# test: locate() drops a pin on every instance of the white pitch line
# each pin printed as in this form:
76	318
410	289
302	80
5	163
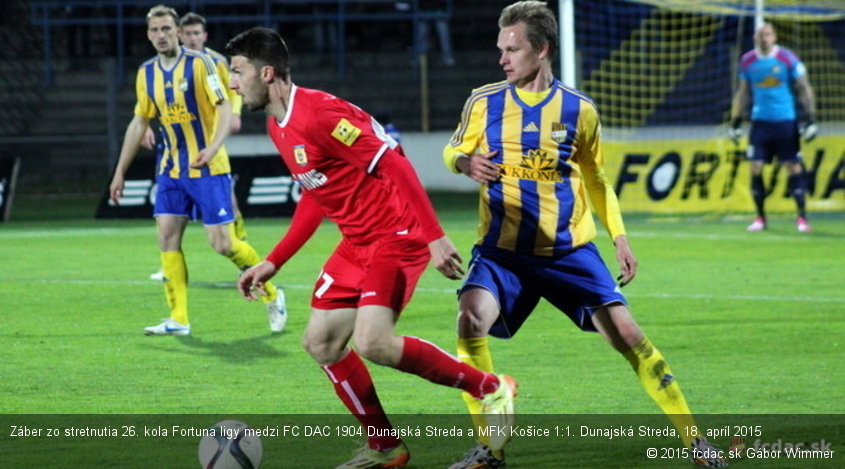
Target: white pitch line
117	231
707	296
694	296
75	232
754	237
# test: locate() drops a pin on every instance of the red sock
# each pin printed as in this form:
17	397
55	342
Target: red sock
354	386
429	361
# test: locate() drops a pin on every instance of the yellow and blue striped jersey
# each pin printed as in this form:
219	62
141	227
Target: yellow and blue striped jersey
184	99
550	157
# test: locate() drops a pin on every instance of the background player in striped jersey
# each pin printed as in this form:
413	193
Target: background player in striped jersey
193	35
180	87
354	173
770	78
534	146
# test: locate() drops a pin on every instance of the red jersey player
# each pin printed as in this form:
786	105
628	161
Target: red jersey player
352	172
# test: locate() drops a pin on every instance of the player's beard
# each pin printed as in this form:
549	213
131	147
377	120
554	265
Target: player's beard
261	101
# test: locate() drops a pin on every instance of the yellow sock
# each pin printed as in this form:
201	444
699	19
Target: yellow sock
660	384
476	352
244	256
238	228
176	284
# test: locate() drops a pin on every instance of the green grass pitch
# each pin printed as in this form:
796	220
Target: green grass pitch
751	323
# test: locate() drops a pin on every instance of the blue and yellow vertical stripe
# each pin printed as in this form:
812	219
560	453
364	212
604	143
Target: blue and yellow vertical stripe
184	99
539	206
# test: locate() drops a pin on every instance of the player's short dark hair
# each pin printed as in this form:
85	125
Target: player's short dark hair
262	46
192	18
540	23
160	11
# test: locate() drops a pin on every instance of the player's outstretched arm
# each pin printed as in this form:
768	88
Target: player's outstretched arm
306	219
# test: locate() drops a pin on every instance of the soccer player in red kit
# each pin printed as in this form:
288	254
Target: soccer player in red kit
355	174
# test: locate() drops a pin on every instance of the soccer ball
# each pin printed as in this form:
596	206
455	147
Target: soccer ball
230	447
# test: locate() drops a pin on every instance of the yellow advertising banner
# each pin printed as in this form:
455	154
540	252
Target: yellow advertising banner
712	175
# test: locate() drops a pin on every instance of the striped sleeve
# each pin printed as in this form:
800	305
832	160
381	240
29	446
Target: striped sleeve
469	136
144	81
591	160
214	87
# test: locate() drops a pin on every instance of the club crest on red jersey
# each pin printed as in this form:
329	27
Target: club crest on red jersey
299	155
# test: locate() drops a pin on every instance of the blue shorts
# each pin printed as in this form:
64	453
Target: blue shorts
210	196
576	283
768	139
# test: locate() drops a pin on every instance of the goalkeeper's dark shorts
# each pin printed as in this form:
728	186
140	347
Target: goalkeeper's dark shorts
770	138
577	283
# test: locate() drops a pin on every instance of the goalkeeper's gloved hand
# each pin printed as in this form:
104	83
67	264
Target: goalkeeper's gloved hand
735	130
808	129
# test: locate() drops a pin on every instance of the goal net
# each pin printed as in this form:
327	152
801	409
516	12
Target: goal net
663	75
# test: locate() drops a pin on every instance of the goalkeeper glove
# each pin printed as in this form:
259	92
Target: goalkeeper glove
808	129
735	130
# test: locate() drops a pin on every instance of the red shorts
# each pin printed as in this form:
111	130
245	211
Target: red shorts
384	273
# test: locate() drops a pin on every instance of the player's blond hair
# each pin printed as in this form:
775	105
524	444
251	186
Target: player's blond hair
160	11
540	23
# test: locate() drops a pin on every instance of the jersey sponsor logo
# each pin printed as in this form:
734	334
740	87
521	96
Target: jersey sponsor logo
558	132
531	127
535	166
346	133
176	113
769	82
299	155
537	159
311	180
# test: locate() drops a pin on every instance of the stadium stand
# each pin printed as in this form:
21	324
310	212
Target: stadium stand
68	132
71	125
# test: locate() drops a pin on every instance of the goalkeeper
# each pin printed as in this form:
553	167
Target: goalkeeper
771	78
